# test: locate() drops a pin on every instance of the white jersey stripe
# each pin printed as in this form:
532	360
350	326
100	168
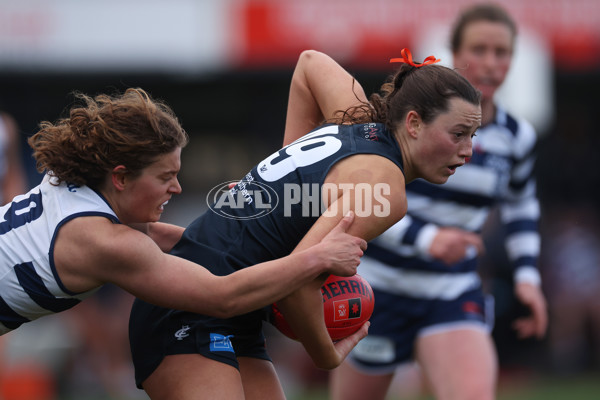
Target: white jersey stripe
419	284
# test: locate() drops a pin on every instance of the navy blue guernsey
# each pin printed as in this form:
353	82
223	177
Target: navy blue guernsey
268	212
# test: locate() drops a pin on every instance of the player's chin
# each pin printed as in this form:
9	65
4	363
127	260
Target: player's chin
439	178
155	216
440	181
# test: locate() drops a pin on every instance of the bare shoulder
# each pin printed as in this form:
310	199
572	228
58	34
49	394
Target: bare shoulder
374	187
88	250
367	168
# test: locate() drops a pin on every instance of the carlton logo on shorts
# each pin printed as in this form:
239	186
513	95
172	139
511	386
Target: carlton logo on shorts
220	342
183	332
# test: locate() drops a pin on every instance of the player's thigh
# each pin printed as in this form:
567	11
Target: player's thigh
346	382
192	376
459	364
259	379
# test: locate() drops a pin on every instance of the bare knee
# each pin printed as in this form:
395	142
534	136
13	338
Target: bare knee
459	364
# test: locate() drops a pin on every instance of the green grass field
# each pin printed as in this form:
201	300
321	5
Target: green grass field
579	388
517	387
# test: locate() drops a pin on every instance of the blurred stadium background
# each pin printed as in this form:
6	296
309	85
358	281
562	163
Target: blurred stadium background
225	66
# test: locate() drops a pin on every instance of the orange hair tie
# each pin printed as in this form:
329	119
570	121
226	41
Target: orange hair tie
407	59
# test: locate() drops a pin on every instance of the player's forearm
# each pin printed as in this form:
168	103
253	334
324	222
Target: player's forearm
263	284
303	311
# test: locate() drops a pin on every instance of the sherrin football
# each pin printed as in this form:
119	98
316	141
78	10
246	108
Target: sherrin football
347	304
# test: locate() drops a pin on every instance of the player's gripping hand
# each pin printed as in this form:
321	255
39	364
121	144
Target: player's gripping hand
451	245
344	347
342	251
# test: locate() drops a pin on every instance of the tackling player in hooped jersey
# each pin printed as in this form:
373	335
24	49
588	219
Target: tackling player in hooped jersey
421	126
110	166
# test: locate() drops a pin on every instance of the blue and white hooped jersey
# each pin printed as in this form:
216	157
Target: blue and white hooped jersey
29	284
500	172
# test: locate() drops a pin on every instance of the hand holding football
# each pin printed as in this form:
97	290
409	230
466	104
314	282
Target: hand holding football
347	304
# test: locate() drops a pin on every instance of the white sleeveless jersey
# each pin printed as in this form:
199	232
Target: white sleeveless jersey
29	284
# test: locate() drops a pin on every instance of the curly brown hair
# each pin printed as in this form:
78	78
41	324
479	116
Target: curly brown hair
129	129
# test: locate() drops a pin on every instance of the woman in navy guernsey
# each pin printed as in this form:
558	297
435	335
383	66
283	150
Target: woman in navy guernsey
420	126
430	305
111	165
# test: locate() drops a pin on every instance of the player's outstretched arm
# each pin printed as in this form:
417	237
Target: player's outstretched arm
86	258
319	88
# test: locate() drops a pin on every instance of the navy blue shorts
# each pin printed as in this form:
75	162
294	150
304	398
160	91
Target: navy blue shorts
398	320
155	332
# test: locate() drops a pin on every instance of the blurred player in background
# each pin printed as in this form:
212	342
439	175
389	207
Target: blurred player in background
430	304
12	174
421	125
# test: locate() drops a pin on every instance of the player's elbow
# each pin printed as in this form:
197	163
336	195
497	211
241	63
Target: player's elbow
306	55
310	58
